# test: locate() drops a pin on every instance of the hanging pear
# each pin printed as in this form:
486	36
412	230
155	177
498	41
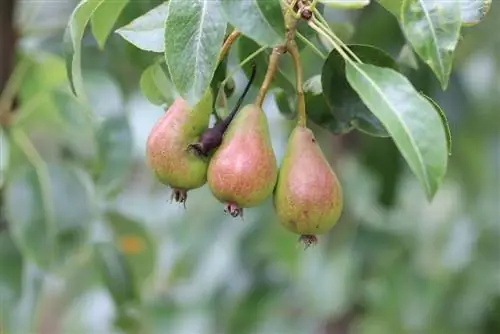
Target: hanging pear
243	171
166	149
308	197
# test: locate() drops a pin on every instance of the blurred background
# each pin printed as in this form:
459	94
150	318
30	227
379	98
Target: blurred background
103	250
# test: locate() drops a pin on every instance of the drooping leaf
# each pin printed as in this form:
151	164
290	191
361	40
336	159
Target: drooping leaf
156	85
433	28
473	11
346	4
194	32
343	102
114	140
261	20
134	242
49	209
104	18
116	273
72	42
407	57
147	32
410	119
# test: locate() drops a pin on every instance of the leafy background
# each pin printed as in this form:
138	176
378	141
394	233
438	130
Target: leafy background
90	244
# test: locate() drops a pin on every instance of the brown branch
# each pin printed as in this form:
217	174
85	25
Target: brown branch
7	50
271	70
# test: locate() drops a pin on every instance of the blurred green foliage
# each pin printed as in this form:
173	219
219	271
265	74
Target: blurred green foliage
119	258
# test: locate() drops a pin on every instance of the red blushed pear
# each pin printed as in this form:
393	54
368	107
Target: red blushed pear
167	146
308	197
243	171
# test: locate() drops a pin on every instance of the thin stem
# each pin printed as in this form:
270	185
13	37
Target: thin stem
311	45
243	63
322	24
327	36
41	169
313	5
271	70
12	86
301	103
233	36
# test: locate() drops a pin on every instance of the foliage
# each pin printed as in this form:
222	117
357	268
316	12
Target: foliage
89	242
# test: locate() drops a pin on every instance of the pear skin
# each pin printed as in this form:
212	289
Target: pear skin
166	149
308	197
243	171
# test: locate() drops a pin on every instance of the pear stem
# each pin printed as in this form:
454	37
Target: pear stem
233	36
301	103
271	70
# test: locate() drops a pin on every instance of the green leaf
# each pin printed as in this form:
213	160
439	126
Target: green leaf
104	19
156	85
409	118
433	28
4	155
393	6
147	32
116	273
446	125
49	210
135	244
114	139
346	4
194	32
72	42
284	104
261	20
474	11
343	102
407	57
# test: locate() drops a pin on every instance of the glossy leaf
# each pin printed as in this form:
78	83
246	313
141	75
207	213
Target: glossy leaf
433	28
261	20
346	4
134	242
104	18
409	118
474	11
114	140
49	210
72	42
116	273
319	111
147	32
343	102
194	33
156	85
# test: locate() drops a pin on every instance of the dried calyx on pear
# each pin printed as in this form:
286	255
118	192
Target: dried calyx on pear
212	137
308	197
166	146
243	171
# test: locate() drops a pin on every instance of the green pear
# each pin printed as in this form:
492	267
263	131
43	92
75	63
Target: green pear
308	197
167	146
243	171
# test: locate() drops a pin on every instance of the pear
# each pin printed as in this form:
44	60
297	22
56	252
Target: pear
243	171
166	148
308	197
